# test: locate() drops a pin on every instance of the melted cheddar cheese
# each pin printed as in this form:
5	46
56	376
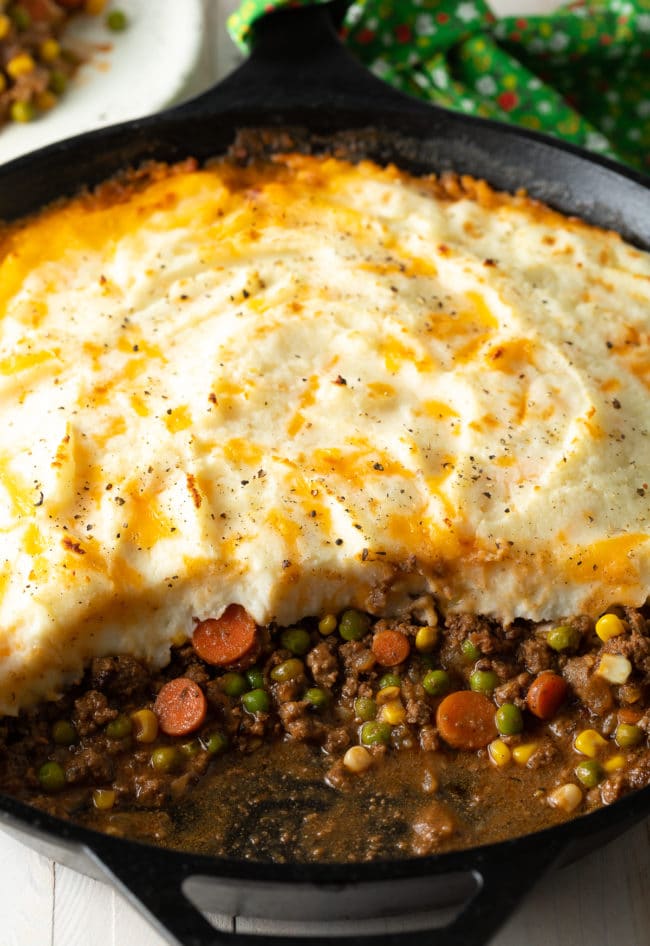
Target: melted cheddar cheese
304	386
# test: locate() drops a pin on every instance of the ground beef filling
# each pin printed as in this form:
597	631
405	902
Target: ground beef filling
409	736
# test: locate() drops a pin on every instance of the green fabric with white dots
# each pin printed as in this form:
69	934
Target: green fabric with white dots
582	73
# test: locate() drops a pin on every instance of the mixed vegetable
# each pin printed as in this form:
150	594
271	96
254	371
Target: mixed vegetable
567	701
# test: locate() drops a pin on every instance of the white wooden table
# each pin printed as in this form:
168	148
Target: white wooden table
601	901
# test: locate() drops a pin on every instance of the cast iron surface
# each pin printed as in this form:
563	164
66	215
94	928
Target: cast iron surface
301	78
153	878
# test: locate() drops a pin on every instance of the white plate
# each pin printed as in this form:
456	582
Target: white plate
127	75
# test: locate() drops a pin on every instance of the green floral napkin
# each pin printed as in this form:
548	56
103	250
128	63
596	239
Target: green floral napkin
582	73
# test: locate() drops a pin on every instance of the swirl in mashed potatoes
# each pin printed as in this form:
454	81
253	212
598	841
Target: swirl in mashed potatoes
306	385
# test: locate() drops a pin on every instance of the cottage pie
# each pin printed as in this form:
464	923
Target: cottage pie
306	392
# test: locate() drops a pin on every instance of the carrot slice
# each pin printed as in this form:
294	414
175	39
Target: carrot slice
629	715
390	648
225	640
465	720
546	694
180	706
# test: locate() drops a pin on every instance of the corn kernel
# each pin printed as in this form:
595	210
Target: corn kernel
589	742
20	65
614	764
45	101
357	759
393	713
327	625
103	798
608	626
426	639
5	25
567	797
145	725
95	7
499	753
614	668
522	753
387	695
49	50
22	112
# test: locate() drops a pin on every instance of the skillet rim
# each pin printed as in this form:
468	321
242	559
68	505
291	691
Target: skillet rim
299	64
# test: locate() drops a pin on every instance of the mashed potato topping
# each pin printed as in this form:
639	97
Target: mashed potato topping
307	385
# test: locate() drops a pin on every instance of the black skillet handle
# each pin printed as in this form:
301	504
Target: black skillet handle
502	876
298	58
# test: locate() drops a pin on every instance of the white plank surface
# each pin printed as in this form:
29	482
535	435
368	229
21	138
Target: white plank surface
27	887
600	901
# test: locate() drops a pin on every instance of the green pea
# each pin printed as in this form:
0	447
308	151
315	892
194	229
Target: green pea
216	742
353	625
390	680
469	650
64	733
234	684
590	773
119	728
375	734
483	681
21	18
52	777
256	701
22	112
509	719
191	748
563	637
628	735
58	82
365	708
437	682
255	678
291	669
317	697
117	21
165	758
296	639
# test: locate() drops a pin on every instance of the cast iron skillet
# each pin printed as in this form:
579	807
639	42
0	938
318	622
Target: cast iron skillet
300	76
